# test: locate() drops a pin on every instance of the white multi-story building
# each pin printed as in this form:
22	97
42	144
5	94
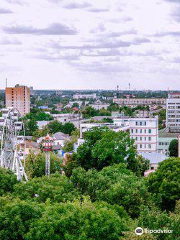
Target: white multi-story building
85	96
143	130
173	112
133	102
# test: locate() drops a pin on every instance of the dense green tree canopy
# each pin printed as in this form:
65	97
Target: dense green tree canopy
35	164
165	182
173	148
7	181
104	147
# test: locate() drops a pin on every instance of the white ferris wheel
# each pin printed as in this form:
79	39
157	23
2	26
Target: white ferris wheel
12	143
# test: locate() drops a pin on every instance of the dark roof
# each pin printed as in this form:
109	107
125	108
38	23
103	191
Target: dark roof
165	134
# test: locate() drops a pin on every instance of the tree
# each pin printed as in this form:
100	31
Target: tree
68	128
7	181
114	184
54	127
89	112
16	218
173	148
78	220
104	147
165	183
69	144
57	188
35	164
30	127
113	107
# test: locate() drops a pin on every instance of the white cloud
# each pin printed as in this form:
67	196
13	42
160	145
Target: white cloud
90	44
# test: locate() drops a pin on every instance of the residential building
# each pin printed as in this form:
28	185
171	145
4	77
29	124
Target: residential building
173	112
134	102
18	97
143	130
85	96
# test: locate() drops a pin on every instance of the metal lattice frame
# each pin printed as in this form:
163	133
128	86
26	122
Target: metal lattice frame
10	157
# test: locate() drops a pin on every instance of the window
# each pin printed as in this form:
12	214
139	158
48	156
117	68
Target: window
140	145
144	130
131	130
144	123
149	145
149	131
149	138
140	138
136	138
140	123
136	130
140	130
136	123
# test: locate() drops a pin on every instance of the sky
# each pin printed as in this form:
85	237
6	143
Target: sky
90	44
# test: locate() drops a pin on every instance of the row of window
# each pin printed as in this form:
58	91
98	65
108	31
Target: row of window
145	145
143	138
141	131
141	123
164	143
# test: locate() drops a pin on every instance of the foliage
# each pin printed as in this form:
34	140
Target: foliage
165	181
7	181
114	184
16	218
173	148
69	144
38	115
35	164
104	147
30	127
113	107
78	220
57	188
56	126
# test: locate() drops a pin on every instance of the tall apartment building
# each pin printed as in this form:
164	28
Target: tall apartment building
173	112
18	97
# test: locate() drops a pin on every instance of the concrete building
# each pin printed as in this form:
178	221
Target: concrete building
165	139
173	112
18	97
84	96
133	102
143	130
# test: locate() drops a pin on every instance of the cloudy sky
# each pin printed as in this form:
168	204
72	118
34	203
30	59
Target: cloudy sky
90	44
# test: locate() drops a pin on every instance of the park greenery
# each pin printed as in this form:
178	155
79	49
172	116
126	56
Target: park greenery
100	193
173	148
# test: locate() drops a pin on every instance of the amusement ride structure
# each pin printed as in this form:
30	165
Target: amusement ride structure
12	151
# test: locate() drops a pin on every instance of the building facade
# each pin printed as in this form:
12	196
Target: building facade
133	102
84	96
173	112
18	97
144	131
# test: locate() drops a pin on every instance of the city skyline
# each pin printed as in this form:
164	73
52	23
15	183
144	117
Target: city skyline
52	44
